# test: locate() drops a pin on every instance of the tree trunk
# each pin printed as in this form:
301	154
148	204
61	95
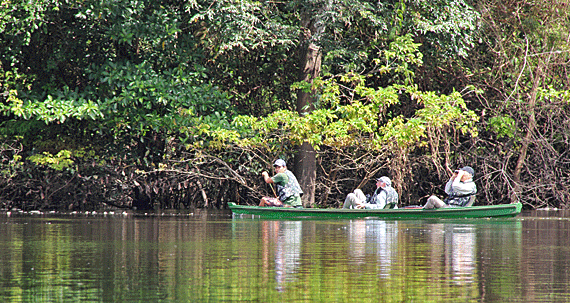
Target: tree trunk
306	172
310	57
306	161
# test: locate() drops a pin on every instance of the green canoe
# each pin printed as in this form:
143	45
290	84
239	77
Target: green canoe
503	210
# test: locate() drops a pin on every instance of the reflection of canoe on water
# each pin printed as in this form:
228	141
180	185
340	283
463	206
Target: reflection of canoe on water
503	210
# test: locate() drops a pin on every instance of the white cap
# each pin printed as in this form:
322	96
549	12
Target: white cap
386	180
279	162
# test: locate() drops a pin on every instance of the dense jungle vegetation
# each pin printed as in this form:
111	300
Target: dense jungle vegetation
182	104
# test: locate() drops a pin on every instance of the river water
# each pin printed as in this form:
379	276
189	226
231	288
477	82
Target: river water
212	256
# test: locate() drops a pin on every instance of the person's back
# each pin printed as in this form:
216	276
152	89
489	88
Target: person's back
288	188
391	197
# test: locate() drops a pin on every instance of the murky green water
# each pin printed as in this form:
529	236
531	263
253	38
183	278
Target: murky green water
213	257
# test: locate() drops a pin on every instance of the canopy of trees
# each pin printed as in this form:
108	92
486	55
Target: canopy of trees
180	104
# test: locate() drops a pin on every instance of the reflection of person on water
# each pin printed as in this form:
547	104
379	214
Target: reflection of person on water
269	235
373	238
462	253
287	252
288	189
453	249
357	240
383	239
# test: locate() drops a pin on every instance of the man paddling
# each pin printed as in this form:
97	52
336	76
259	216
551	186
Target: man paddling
288	189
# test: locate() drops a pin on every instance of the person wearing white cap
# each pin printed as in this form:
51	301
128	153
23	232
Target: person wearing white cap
460	188
288	189
385	196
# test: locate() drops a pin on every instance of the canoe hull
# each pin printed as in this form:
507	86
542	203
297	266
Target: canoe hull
503	210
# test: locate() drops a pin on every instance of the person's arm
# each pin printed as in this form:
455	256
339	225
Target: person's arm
462	188
266	177
381	199
449	184
279	178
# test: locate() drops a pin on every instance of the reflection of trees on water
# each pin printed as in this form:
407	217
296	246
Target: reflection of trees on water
485	259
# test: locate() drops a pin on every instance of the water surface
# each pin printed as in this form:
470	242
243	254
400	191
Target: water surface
211	256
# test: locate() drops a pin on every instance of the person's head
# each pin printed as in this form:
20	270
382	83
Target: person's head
383	182
280	165
470	173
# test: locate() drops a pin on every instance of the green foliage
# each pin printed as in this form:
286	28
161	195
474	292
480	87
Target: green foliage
24	17
130	67
440	110
439	113
244	25
11	160
551	95
62	160
352	113
52	109
356	123
349	112
502	126
449	27
143	99
399	58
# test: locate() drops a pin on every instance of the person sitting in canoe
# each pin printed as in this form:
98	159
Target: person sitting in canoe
460	188
385	196
288	189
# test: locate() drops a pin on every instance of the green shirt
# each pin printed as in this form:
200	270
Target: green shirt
282	179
